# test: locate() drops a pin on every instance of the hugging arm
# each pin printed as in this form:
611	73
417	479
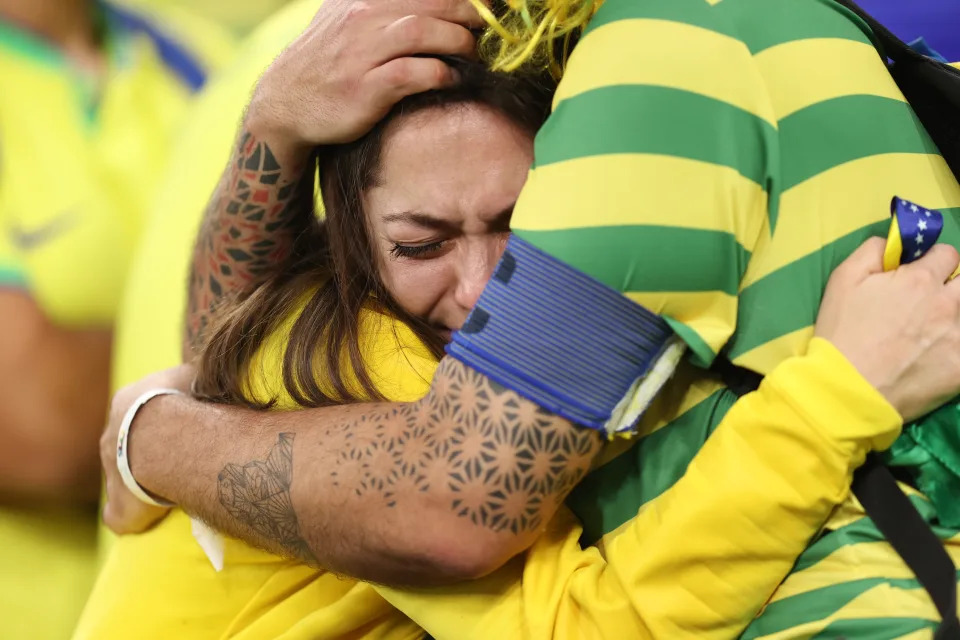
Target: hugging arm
451	486
445	488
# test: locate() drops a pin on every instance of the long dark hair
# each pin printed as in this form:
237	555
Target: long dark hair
323	363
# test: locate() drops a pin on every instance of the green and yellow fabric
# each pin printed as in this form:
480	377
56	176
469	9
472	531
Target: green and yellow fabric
715	160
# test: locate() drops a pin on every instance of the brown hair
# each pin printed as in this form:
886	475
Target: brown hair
335	259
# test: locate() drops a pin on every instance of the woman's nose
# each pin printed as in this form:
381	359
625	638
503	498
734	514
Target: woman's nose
475	270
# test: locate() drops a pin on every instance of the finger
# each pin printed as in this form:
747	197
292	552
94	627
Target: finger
940	261
416	34
460	12
402	77
865	261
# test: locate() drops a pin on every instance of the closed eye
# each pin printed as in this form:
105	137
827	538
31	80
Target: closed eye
416	250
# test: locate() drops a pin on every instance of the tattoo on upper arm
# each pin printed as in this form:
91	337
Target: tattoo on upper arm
257	494
500	455
246	230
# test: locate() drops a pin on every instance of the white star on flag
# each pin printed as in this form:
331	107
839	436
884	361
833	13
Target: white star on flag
913	208
919	239
917	254
926	213
922	225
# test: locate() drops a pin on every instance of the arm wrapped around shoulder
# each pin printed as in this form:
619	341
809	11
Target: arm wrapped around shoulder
566	341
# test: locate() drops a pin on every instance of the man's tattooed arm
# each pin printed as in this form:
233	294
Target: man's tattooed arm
264	196
443	489
496	458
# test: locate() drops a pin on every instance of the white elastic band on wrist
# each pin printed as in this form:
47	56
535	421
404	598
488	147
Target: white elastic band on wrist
123	462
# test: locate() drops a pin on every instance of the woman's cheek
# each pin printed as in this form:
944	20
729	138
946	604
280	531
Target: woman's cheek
417	285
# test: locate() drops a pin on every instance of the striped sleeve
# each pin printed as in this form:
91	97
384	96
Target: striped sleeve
651	173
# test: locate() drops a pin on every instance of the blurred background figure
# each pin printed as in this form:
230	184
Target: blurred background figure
148	338
240	16
91	94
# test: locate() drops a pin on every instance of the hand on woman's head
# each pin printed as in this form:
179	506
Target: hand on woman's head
900	329
355	61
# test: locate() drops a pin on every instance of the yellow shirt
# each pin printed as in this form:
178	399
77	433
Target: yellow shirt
78	166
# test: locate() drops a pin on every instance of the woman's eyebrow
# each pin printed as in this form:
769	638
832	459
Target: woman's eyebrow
427	221
422	220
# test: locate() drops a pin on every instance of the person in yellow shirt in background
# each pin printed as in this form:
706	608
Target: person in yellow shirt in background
92	94
166	565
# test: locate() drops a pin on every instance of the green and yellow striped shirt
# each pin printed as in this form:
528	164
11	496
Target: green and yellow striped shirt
715	161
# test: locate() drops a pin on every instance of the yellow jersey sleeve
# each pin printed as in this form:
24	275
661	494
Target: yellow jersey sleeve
685	566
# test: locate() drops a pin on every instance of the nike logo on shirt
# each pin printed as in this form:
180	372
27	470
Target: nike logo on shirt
30	239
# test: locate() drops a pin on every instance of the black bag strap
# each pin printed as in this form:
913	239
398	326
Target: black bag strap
892	513
912	538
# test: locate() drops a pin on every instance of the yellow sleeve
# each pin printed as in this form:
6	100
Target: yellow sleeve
685	566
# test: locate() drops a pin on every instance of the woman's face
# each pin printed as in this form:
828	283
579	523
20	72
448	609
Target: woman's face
440	213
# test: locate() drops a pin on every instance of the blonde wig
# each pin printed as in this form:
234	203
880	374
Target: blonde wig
532	33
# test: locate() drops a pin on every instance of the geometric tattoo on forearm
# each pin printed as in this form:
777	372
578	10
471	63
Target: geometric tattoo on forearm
498	456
